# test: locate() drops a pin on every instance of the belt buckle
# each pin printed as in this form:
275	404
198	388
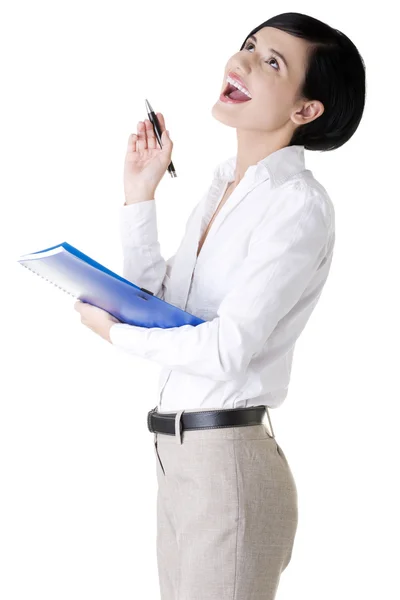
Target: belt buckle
149	419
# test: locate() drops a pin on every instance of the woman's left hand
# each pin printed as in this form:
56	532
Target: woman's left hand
97	319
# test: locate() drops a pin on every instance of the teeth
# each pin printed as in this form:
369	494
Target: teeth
238	86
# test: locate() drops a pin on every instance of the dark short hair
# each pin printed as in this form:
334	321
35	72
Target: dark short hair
334	75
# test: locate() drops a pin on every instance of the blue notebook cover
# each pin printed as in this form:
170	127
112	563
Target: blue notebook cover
89	281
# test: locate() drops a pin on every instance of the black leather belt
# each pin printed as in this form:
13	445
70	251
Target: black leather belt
205	419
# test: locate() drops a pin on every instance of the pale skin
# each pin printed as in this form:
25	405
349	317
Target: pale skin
266	123
97	319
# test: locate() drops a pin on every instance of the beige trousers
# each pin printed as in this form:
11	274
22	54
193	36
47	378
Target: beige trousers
226	513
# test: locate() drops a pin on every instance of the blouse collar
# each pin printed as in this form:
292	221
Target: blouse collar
279	166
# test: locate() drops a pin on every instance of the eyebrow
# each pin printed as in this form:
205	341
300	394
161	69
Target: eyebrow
253	37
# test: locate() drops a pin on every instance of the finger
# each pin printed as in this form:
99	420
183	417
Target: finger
151	136
141	143
132	143
161	120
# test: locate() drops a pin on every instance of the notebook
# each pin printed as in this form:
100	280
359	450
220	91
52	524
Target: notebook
79	275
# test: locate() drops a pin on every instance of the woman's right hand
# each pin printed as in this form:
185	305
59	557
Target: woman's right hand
145	161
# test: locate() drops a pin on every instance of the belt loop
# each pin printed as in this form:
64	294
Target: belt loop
178	426
153	410
270	424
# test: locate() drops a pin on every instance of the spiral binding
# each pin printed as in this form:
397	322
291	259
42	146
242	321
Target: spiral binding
49	280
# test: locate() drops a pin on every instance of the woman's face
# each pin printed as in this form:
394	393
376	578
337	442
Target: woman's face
272	84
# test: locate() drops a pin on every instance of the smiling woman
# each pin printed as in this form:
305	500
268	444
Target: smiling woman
307	86
253	261
306	79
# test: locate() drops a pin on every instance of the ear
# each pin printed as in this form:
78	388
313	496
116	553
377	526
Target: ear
309	111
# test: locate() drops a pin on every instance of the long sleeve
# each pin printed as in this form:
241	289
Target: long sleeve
284	253
143	263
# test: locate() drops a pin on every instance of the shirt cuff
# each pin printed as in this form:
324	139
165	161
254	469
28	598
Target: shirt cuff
123	336
138	223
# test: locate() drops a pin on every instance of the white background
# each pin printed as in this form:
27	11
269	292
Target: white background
78	472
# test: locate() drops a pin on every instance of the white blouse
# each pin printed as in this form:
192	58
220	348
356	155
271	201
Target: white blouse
256	281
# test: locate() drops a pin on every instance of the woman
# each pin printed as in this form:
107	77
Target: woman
253	262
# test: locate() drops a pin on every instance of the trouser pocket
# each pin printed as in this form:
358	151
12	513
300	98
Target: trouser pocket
157	453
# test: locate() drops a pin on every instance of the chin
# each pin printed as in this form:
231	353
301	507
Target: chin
219	112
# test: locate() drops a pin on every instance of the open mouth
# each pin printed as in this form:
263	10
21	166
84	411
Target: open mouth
233	93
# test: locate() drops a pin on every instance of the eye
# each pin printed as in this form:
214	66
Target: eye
274	59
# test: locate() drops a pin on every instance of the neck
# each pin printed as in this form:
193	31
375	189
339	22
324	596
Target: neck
253	146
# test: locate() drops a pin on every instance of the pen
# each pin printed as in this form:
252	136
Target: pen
157	130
